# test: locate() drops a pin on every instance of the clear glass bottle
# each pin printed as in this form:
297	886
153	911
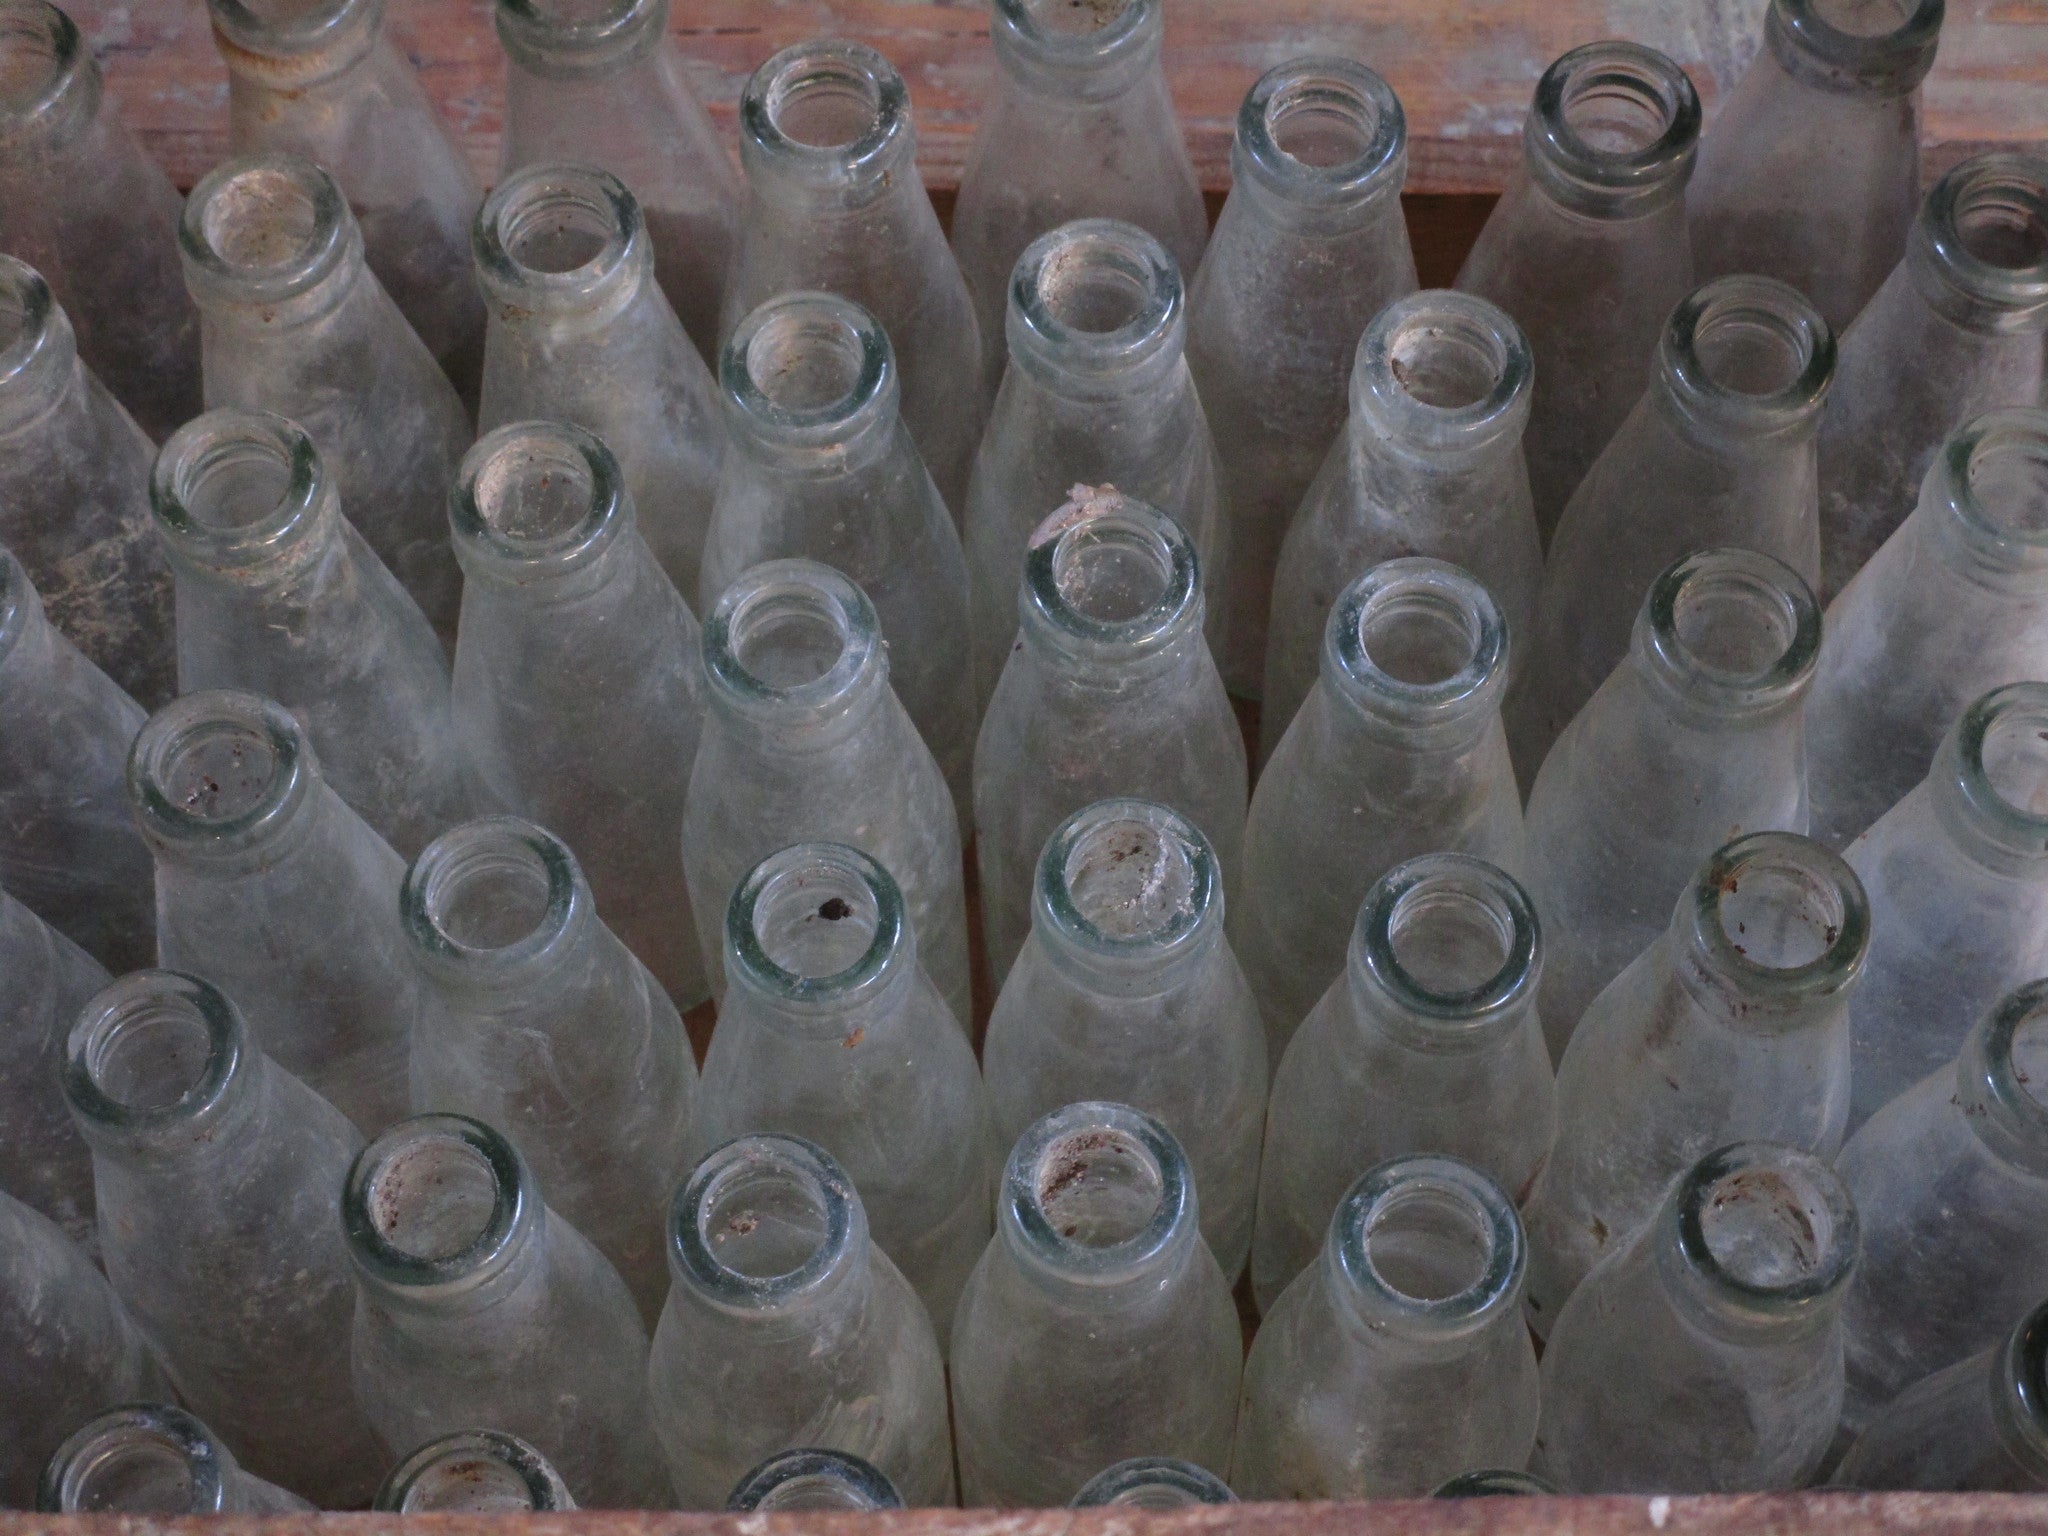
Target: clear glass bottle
534	1017
154	1459
475	1472
1705	1354
1733	1025
1153	1483
801	1482
1401	1356
293	322
1430	463
1310	246
1396	751
1718	452
1494	1482
835	204
74	492
581	332
1428	1043
1097	1326
215	1173
787	1326
577	694
477	1304
1078	124
1587	248
822	469
278	594
1126	990
604	85
85	206
1697	737
1955	331
319	78
1812	171
832	1031
804	741
271	888
1111	690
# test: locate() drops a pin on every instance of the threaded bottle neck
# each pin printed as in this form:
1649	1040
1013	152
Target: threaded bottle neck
244	496
1110	585
497	905
159	1064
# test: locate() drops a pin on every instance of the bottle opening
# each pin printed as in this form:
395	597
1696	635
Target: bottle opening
2006	473
798	1482
764	1221
142	1477
432	1198
1781	914
1074	18
536	488
292	15
1426	1237
1322	124
39	45
2001	215
230	471
2029	1054
1443	367
1769	1222
816	910
1441	371
25	306
220	771
2014	754
1428	1242
1864	18
810	356
1111	569
1493	1482
556	228
1618	109
491	885
789	637
1451	937
1094	285
1098	1187
145	1459
1418	635
261	219
148	1051
1739	617
1135	878
1754	341
1454	937
825	102
578	14
1153	1482
481	1472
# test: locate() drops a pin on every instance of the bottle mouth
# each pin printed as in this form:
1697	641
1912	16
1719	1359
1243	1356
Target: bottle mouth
1094	297
1769	1228
435	1203
537	496
153	1050
1444	371
1777	917
1417	642
295	29
1748	349
828	110
1112	574
2004	1073
808	1482
817	925
41	55
1884	46
551	234
1153	1482
474	1472
1996	760
1990	483
1452	940
218	771
1494	1482
1733	630
2023	1386
1983	233
1613	129
806	369
1076	33
1324	131
27	313
492	898
762	1222
1430	1240
235	488
264	228
1127	879
142	1459
563	39
789	635
1095	1190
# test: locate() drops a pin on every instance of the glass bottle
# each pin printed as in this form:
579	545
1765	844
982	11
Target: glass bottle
154	1459
1126	990
74	491
787	1326
1955	331
278	594
1733	1025
1110	691
1705	1355
604	85
577	696
535	1017
1430	463
85	206
1078	124
581	332
804	741
799	1482
1696	737
477	1304
215	1173
1401	1355
474	1472
1310	246
271	888
835	203
1494	1482
291	321
318	78
1097	1325
1812	171
1396	751
1153	1483
1428	1043
822	469
1718	452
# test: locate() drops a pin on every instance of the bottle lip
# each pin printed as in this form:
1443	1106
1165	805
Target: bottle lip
180	816
830	328
485	506
1992	1089
2015	833
775	1157
137	1002
1812	48
156	1430
20	605
1453	1185
1426	881
1112	258
1331	86
1837	892
1971	289
67	97
2021	1384
225	439
487	849
307	229
556	47
1746	306
814	1481
843	68
1106	834
453	1473
1053	1154
1130	30
1788	1184
549	197
1098	523
1966	523
365	1197
832	871
37	348
1437	590
1701	680
1386	377
1152	1482
1591	178
770	594
1493	1482
316	28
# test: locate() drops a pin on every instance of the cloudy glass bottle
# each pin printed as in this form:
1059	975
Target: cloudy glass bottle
793	1482
475	1472
154	1459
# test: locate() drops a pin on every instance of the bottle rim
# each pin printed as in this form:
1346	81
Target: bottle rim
1493	1482
549	197
1052	1154
1764	582
488	495
1331	86
2017	710
2009	187
829	328
36	345
828	873
1433	589
567	47
1097	524
67	96
153	1430
1990	1077
1820	875
775	592
812	1172
2020	1387
1985	539
20	604
1408	891
316	30
843	68
279	187
226	439
1748	307
1595	179
485	1253
1788	1184
1806	43
478	852
467	1459
1099	255
1110	832
1456	1188
815	1481
178	815
1386	379
141	1002
1135	26
1152	1482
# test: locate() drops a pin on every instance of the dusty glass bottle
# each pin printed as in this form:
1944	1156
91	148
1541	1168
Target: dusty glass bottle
534	1017
1100	394
1152	1482
603	85
1812	171
1718	452
1429	462
795	1482
1396	751
83	205
1587	248
474	1471
577	693
477	1304
822	469
1126	990
74	493
1111	690
1311	245
293	322
580	332
1697	737
1956	331
1097	1324
154	1459
278	594
787	1326
1733	1025
1705	1354
318	78
835	204
804	741
1428	1043
1401	1355
215	1173
832	1031
276	892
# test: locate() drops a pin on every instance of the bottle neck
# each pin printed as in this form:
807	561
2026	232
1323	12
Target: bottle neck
2003	1056
1612	132
1745	361
567	40
1727	640
1441	380
52	88
810	387
1415	657
1983	508
243	497
306	45
561	246
38	352
1153	1482
144	1459
828	121
1853	47
809	1482
1128	901
793	654
1111	591
1978	249
1090	53
1322	146
498	908
1096	313
1989	782
541	515
223	784
474	1471
269	244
